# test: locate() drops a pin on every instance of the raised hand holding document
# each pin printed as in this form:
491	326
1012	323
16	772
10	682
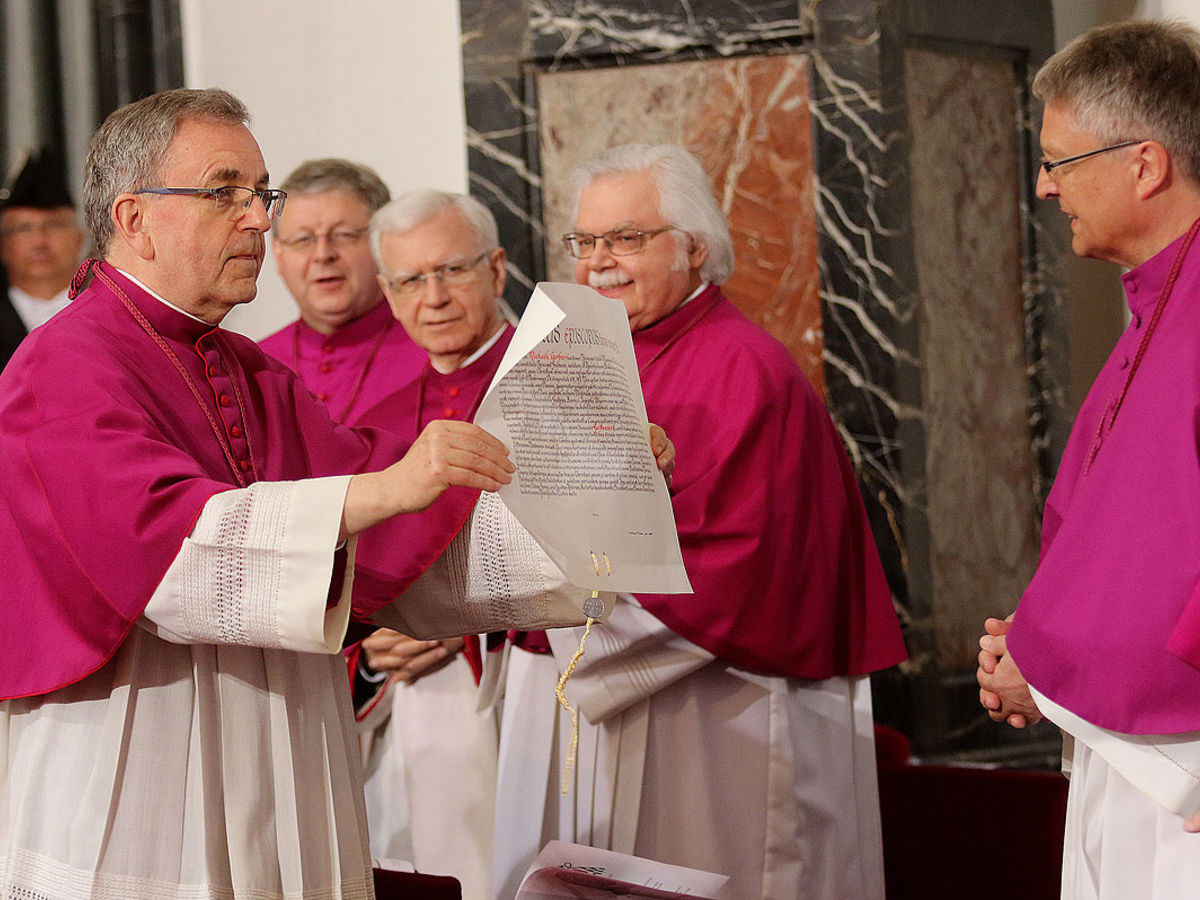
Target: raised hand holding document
587	513
567	402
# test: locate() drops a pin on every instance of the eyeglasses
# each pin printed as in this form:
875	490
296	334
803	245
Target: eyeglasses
338	239
621	241
26	229
451	274
1051	164
229	198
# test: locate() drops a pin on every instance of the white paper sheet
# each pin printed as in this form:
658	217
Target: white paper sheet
567	402
573	870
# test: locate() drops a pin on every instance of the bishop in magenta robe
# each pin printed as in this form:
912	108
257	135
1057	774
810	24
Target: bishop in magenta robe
790	610
728	730
1105	641
353	368
429	743
346	346
104	555
179	518
429	754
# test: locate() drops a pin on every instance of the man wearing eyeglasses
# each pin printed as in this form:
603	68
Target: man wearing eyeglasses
346	346
1106	639
431	761
40	244
729	730
349	350
180	519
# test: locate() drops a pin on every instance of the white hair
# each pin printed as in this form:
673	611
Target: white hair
416	207
685	196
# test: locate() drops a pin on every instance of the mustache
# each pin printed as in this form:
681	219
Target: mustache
602	280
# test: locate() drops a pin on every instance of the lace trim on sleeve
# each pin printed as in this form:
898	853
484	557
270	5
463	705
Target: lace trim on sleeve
493	577
256	570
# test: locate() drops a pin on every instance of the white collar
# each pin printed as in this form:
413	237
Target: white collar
35	311
487	345
163	300
694	294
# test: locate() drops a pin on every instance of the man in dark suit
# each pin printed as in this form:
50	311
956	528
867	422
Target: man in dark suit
40	244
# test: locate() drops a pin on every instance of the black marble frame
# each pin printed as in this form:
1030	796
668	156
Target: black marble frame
873	387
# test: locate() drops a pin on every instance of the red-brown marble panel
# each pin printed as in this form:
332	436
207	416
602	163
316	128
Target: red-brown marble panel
747	120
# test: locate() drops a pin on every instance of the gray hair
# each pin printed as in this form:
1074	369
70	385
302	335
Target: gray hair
318	176
127	150
416	207
1132	81
685	196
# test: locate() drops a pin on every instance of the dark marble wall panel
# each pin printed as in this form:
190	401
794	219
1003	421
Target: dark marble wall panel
596	30
502	141
871	356
965	159
746	119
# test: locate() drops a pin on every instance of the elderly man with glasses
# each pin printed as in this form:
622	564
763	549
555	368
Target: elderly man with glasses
729	730
1105	641
346	346
180	523
431	752
431	765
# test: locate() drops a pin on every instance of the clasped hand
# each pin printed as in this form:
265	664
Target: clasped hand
407	659
1003	691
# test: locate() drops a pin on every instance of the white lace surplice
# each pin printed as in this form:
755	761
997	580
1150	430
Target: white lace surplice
687	760
1129	796
431	769
201	765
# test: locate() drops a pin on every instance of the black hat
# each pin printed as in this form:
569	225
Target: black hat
39	183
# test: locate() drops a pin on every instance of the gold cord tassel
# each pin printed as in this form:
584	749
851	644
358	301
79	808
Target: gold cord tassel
560	693
592	608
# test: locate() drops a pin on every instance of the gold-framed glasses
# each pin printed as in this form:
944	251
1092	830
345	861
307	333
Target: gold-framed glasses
621	241
337	238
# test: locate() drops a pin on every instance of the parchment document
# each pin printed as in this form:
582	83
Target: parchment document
567	402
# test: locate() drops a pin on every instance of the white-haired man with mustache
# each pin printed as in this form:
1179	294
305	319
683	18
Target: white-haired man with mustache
729	730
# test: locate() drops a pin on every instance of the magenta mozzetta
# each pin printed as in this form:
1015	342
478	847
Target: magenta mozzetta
96	550
774	535
1082	634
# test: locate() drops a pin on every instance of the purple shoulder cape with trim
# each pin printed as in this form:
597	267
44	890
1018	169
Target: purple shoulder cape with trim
107	460
1109	626
774	535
